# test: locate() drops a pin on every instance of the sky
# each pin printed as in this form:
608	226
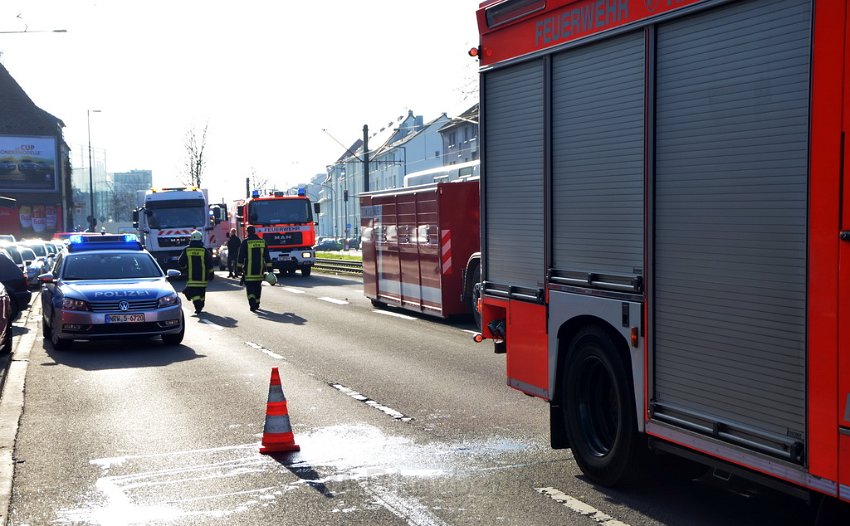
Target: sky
265	77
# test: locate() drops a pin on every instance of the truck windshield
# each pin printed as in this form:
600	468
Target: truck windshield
280	211
178	216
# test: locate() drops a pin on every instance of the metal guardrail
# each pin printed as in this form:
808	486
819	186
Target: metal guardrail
339	266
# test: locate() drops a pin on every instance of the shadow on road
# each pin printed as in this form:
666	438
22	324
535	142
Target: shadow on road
18	330
119	354
280	317
316	280
669	496
223	321
304	472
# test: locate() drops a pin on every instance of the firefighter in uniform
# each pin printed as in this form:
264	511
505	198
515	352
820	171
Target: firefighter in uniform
196	263
253	262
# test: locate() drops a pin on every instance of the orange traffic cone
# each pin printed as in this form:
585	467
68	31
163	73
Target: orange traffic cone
277	433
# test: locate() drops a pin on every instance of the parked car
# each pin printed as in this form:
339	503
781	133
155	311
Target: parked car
40	248
7	237
105	287
328	244
33	266
354	243
15	282
222	257
6	318
14	253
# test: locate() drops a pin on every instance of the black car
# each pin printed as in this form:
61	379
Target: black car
15	281
6	318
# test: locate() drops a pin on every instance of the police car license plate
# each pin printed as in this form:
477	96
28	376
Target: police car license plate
125	318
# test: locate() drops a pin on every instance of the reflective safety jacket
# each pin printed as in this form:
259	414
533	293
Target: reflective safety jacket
197	263
253	261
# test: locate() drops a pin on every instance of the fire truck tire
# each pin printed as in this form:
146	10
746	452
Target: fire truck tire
599	409
305	271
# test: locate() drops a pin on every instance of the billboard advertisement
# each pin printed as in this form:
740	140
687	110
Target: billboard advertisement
28	164
25	220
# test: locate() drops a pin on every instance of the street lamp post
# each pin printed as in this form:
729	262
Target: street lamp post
91	177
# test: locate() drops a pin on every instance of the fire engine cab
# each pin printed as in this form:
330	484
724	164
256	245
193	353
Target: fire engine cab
286	223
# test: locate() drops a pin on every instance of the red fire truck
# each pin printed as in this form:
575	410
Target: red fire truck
286	223
420	247
673	174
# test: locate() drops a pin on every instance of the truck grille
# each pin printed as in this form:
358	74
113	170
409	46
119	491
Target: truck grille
166	242
112	306
282	238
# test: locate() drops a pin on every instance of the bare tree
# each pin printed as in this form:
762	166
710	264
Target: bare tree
196	162
258	183
121	203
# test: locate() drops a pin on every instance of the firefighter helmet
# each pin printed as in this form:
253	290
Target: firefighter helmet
197	236
270	278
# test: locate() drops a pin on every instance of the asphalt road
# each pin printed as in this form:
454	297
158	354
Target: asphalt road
401	420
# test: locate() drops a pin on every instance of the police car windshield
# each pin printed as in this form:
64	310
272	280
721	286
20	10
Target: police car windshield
109	266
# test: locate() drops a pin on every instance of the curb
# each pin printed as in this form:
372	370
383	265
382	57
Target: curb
14	375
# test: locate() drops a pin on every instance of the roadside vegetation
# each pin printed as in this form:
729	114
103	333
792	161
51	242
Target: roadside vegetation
340	255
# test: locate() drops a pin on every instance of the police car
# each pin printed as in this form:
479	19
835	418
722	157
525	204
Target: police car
108	286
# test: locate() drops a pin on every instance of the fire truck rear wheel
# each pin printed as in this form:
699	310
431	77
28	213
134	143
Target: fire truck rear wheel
599	409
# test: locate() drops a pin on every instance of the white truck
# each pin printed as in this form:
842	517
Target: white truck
166	217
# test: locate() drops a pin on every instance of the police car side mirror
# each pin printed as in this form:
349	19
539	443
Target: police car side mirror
172	273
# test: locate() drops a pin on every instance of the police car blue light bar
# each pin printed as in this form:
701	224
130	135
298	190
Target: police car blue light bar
81	242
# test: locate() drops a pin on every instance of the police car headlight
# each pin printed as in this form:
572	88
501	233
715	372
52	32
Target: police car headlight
168	301
306	254
72	304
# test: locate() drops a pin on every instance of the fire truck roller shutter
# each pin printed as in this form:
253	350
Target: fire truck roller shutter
732	131
598	157
514	133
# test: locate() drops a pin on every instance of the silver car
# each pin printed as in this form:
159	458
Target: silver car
105	287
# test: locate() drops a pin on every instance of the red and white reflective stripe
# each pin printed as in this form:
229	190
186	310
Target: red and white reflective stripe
446	242
174	232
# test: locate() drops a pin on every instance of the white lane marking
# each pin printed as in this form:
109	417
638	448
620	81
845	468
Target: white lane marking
334	300
218	327
293	290
405	507
368	401
470	332
396	314
580	507
264	350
